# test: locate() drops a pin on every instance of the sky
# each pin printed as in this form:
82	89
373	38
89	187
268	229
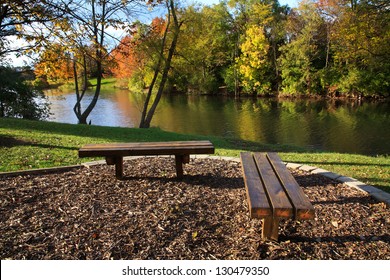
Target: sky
291	3
23	60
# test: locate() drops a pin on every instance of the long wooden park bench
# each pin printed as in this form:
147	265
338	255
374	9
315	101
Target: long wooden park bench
272	192
114	152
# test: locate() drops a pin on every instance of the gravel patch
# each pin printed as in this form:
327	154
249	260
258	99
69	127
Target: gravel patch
87	213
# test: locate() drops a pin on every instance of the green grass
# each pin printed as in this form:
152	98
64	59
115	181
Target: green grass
107	84
31	144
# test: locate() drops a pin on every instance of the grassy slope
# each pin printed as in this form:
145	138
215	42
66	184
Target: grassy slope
29	144
107	83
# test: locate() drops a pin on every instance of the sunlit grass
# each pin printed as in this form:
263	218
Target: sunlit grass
107	84
30	144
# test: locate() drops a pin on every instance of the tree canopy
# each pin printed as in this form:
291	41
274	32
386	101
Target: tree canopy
322	47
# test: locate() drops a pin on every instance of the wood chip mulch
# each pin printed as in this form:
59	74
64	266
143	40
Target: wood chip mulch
88	214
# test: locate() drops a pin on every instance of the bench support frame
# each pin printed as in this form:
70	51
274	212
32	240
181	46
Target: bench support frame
270	229
118	162
114	152
180	160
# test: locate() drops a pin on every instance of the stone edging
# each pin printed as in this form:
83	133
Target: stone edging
351	182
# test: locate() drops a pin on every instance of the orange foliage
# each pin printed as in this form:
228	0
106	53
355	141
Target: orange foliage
54	65
129	56
158	26
125	58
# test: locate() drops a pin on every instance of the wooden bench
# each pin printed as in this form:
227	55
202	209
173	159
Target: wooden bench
272	192
114	152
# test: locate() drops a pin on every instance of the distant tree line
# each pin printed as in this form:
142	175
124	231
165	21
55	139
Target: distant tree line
323	47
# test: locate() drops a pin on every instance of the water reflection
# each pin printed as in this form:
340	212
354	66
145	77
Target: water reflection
338	126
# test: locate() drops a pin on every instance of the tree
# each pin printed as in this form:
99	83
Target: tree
163	64
199	65
54	65
18	99
125	58
304	55
260	32
135	57
84	32
253	61
17	16
361	48
277	36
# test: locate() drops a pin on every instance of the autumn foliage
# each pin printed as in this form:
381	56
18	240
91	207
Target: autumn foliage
321	47
126	60
131	53
54	65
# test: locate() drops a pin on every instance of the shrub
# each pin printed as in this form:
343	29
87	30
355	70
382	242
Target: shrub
19	99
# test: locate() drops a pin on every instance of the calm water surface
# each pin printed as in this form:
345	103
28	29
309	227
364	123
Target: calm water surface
351	127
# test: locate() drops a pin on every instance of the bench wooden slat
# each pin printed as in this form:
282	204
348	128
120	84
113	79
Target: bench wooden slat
256	196
152	144
281	205
147	148
147	145
303	209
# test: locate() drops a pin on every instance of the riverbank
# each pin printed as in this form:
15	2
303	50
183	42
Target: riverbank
31	144
112	83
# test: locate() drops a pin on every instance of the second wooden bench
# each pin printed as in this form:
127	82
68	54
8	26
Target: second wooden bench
272	192
114	152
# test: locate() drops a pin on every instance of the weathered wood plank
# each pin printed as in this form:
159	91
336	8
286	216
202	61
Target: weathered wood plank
257	198
281	205
147	148
141	145
303	209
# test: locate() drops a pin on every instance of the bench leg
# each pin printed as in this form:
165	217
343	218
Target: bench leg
119	167
118	161
270	229
179	166
180	160
186	159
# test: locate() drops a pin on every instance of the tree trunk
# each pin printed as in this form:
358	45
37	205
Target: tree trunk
236	79
328	28
147	116
164	78
95	98
82	118
143	123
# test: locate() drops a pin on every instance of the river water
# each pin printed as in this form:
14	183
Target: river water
339	126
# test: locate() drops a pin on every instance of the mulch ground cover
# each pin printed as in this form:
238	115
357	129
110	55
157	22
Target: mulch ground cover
87	213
